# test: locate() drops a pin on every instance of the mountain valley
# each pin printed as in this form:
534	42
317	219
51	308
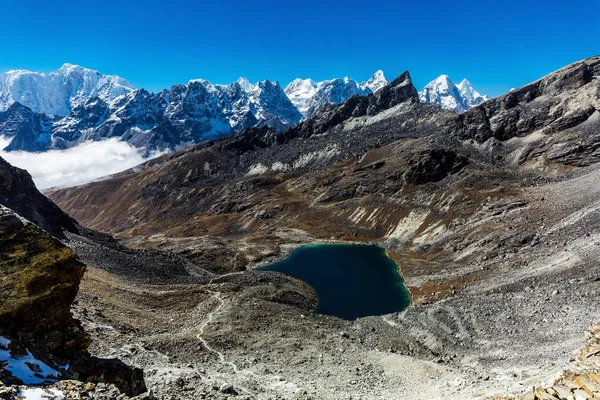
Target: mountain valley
491	214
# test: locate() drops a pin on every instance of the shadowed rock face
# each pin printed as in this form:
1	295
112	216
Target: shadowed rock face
433	166
39	281
28	130
18	192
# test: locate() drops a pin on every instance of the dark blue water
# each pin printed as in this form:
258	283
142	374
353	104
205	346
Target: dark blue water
351	281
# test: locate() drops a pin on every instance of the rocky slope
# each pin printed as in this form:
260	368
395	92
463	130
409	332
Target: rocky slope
581	380
18	192
40	341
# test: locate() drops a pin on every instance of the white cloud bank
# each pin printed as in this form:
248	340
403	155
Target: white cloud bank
75	166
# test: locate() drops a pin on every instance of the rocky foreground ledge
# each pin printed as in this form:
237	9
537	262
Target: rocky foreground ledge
40	341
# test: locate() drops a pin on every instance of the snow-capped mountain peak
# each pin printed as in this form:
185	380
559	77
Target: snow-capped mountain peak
444	92
308	95
273	104
443	82
301	93
60	91
376	81
473	97
245	84
301	86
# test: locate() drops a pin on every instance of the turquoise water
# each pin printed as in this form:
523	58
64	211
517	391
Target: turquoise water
351	281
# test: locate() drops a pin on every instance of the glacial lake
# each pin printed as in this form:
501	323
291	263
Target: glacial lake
352	281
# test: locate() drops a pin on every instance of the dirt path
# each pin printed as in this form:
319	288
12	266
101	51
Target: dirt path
220	298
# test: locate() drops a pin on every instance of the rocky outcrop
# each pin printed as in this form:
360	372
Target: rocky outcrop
560	101
580	381
433	166
40	278
28	130
398	91
18	192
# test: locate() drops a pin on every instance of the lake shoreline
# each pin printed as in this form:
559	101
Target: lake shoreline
351	280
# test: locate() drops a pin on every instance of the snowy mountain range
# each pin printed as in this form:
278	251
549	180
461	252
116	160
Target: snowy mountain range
458	98
58	92
308	96
72	105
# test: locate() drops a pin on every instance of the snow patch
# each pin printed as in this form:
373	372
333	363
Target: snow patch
40	394
432	232
358	215
23	368
7	211
4	342
279	166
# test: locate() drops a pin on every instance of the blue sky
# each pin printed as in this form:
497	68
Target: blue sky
155	44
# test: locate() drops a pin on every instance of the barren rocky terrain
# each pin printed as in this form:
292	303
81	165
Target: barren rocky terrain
514	326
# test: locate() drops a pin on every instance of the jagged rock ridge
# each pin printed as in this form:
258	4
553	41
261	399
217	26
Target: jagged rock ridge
168	120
